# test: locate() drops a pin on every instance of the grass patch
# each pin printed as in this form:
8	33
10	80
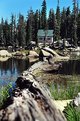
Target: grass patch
5	93
60	92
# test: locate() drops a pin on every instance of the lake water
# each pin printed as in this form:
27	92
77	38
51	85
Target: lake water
68	77
70	67
11	69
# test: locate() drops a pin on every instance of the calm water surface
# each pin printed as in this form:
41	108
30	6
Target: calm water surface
69	73
11	69
70	67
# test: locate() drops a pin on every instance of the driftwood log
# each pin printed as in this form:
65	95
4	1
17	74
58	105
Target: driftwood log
30	102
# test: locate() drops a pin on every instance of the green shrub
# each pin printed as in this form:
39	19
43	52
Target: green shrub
4	94
72	113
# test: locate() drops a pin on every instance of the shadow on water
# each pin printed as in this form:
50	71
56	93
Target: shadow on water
70	67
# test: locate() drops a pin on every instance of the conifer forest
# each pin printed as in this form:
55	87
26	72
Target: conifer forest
21	30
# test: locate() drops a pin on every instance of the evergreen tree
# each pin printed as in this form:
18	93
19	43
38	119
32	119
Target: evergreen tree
77	7
68	24
43	15
63	24
21	31
39	27
6	31
58	16
44	19
13	30
30	27
1	32
74	29
36	18
51	19
78	27
56	31
58	21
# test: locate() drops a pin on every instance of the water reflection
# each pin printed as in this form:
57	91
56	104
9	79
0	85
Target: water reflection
11	69
70	67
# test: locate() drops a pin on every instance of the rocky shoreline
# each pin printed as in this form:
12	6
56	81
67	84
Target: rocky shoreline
30	101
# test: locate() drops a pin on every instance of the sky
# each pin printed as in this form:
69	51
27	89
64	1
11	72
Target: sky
7	7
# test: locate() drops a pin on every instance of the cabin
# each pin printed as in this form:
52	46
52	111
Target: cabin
45	36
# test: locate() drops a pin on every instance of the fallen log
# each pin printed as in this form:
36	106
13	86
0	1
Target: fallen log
30	102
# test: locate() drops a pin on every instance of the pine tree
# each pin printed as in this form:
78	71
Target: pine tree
51	19
63	24
68	24
74	32
58	21
77	7
30	27
43	15
39	27
58	16
1	32
36	18
13	30
6	31
78	27
21	31
56	31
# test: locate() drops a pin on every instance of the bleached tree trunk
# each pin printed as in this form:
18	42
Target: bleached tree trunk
30	102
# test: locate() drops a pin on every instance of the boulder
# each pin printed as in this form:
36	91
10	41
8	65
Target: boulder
32	53
19	54
5	53
56	56
45	53
3	59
